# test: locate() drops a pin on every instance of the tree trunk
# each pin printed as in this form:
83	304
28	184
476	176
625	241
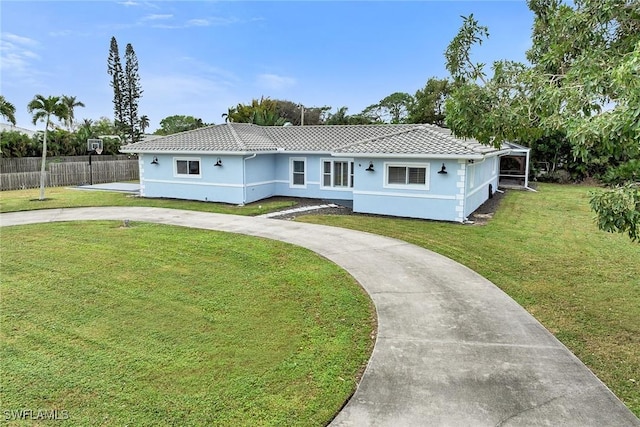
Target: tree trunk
43	173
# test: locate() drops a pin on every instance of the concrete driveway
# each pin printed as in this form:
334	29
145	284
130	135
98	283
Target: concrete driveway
452	349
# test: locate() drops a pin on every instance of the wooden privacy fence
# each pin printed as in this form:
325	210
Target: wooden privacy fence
65	172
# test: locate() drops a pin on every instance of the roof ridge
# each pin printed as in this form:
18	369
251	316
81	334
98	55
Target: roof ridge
236	136
376	138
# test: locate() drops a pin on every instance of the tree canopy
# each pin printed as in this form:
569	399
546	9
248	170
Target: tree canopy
42	109
179	123
71	103
428	102
127	90
582	82
7	110
275	112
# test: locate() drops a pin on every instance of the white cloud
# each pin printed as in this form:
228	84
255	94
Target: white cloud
275	82
156	17
198	23
16	55
14	38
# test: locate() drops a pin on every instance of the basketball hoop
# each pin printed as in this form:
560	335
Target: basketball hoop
94	146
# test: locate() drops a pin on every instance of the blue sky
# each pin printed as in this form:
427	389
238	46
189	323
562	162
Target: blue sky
201	57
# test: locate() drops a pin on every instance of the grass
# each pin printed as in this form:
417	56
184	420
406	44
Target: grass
62	197
544	250
159	325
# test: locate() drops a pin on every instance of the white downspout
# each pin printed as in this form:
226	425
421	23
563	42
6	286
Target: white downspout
244	177
526	172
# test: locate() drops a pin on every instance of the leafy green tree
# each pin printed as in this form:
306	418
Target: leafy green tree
491	110
295	113
428	104
132	93
263	112
61	142
340	117
42	109
582	81
114	69
14	144
396	106
7	110
178	123
391	109
71	103
84	132
268	118
373	113
618	210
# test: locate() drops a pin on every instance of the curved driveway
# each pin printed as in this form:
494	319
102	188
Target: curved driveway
452	349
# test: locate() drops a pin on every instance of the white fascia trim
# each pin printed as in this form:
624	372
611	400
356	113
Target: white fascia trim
415	196
302	153
424	156
196	152
499	152
206	184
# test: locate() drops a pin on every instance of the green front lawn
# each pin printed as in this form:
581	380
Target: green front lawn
63	197
159	325
541	248
545	251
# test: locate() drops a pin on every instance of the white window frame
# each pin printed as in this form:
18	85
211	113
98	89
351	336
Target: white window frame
427	176
187	175
291	172
350	174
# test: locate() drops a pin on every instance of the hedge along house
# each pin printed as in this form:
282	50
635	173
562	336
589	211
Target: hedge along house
418	171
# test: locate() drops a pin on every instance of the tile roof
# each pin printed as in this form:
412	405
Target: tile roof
410	139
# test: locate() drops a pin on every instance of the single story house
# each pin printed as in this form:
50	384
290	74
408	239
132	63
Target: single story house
406	170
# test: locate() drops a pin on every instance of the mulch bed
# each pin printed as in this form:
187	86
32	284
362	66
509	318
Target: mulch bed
480	216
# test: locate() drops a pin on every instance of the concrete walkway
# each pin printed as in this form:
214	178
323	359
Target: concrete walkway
119	187
297	210
452	349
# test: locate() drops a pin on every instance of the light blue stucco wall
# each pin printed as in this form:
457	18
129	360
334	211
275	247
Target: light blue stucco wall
479	176
438	200
245	179
313	187
218	184
260	172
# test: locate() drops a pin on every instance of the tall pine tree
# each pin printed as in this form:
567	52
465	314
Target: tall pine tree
114	69
132	94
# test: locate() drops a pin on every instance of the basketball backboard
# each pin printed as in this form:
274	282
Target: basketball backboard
94	146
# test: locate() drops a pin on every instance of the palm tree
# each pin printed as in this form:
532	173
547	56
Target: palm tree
7	110
144	123
71	103
42	108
